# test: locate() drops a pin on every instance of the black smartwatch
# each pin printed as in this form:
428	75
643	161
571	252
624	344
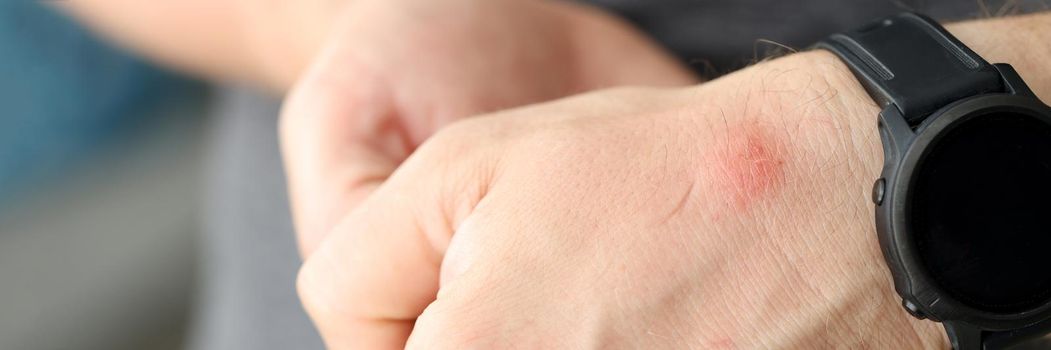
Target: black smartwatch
963	205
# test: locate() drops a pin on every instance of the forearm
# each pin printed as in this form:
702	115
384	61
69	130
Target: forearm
1022	41
261	42
271	42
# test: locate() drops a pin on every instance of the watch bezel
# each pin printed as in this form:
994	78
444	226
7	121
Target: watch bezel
906	264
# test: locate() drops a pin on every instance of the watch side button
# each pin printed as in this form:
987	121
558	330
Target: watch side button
913	309
879	189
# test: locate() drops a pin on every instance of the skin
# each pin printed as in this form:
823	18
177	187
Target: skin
371	79
728	215
262	42
732	214
395	72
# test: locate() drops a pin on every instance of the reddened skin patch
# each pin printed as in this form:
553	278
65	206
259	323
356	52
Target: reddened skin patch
748	165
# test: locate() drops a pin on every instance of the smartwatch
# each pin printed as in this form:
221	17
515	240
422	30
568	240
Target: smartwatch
963	204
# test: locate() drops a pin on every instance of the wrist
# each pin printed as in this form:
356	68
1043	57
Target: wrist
1024	42
1019	41
864	154
794	152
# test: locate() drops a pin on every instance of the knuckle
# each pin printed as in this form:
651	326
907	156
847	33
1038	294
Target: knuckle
462	141
454	135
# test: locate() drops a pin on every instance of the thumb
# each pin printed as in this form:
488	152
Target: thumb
340	139
379	269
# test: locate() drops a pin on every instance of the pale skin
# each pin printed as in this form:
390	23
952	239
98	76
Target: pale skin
397	72
731	214
380	76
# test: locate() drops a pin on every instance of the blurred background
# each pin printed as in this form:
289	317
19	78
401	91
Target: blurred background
100	185
127	197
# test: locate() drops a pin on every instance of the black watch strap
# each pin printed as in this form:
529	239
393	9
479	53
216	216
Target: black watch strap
967	337
911	62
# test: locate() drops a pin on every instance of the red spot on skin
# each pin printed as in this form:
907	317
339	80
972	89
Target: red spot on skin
749	165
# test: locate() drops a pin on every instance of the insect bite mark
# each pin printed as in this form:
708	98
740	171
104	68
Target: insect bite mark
749	165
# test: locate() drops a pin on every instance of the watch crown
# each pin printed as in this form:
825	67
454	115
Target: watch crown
879	190
913	309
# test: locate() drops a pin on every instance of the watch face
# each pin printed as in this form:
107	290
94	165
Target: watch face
980	212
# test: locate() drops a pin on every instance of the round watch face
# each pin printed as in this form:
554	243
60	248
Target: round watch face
980	212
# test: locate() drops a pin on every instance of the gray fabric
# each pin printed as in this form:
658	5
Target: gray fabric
249	262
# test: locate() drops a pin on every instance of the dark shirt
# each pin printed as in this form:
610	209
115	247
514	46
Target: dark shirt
719	36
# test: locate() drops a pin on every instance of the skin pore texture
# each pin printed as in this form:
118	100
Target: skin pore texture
728	215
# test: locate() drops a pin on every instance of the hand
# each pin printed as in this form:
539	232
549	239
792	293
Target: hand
722	216
399	70
729	215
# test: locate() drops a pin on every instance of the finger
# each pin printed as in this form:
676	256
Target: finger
379	268
340	139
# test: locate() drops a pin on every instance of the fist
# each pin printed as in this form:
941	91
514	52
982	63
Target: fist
728	215
394	72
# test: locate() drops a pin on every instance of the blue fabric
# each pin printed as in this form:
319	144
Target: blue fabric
63	93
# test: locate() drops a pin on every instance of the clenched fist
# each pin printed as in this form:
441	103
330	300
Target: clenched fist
394	71
733	214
